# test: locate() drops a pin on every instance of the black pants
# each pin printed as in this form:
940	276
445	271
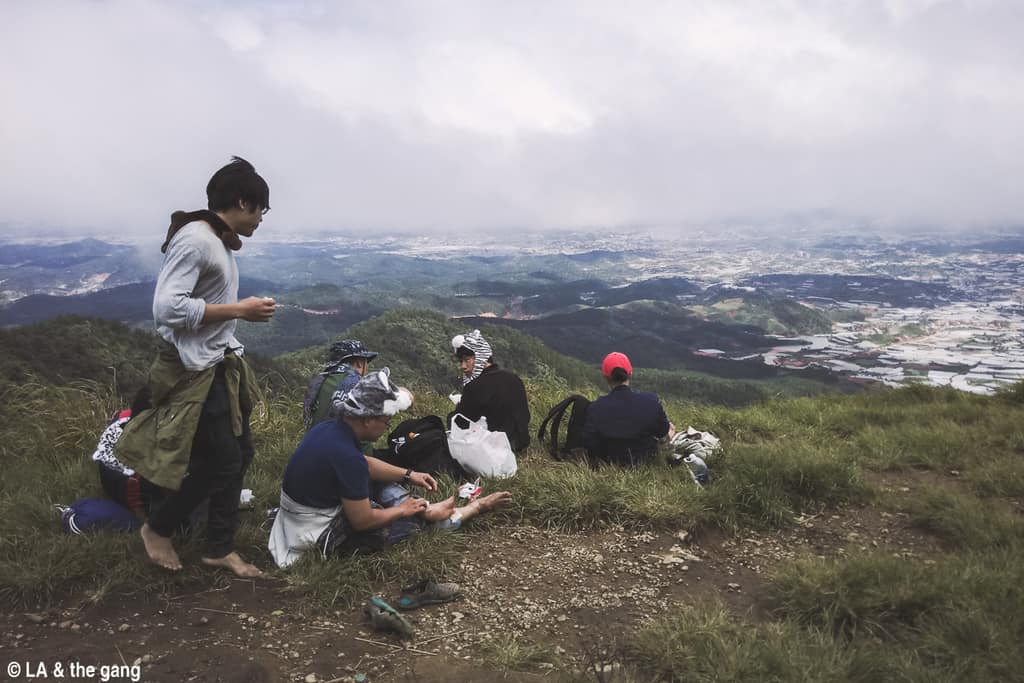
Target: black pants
216	467
142	496
135	493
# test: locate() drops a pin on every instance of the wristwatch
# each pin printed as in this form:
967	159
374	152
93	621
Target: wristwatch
407	477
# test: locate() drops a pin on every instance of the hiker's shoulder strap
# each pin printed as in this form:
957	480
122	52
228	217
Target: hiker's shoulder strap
310	402
555	416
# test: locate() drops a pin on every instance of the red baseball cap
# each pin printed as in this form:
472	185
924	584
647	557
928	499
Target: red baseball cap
615	360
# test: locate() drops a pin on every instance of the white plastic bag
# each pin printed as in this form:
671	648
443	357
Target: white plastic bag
481	451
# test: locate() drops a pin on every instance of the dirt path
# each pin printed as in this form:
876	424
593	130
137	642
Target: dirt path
570	597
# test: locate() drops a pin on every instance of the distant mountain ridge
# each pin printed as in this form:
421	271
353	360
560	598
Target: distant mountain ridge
67	268
132	303
57	255
653	333
866	288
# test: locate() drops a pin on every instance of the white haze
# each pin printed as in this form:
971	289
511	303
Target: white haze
420	116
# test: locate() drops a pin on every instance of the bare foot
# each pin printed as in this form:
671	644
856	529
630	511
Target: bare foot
494	500
235	563
159	549
438	511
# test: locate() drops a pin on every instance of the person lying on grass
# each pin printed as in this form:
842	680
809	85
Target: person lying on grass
342	502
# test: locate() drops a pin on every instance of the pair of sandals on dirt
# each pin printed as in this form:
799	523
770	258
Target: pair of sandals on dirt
384	617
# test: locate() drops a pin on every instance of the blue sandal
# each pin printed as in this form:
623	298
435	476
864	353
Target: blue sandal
426	592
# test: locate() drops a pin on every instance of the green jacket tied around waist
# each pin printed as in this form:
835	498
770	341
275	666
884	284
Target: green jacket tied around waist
157	442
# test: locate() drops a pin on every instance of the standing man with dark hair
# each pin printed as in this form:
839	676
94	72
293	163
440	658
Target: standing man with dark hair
196	439
623	426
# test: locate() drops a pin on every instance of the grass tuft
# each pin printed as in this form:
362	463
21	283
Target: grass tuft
571	496
344	582
507	653
705	643
960	615
767	485
966	522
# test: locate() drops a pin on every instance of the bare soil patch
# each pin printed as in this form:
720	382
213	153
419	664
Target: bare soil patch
570	596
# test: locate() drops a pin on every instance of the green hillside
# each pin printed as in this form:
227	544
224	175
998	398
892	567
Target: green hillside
69	348
304	318
774	315
940	467
669	336
73	349
416	345
653	333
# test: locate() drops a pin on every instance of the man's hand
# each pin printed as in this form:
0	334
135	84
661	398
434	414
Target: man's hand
423	480
411	507
671	431
256	309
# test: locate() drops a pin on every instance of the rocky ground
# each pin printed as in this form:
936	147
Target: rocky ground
535	600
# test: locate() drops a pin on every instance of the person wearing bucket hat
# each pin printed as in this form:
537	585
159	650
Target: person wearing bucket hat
348	361
490	391
342	502
624	426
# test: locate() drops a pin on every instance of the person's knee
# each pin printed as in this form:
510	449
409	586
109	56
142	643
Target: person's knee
390	495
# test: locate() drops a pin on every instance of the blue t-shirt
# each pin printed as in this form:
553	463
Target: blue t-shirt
326	467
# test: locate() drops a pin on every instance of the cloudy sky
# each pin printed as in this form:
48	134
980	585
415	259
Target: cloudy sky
444	115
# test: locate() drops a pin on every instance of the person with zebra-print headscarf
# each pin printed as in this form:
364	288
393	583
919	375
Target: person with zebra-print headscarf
491	391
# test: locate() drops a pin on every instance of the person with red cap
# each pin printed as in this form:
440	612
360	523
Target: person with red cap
623	427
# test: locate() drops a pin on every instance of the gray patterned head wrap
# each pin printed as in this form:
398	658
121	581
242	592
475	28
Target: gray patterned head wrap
375	395
475	342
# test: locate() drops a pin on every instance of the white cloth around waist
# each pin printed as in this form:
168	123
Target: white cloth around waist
296	529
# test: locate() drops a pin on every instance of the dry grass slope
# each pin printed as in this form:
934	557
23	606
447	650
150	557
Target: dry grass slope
862	616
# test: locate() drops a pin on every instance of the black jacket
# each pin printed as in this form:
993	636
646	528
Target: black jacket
500	396
624	426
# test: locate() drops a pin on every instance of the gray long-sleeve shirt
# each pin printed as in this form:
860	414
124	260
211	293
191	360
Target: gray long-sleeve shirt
198	269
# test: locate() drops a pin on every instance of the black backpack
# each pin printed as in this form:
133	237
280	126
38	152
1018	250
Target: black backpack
421	443
577	407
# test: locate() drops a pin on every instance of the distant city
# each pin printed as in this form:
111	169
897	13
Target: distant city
936	310
968	333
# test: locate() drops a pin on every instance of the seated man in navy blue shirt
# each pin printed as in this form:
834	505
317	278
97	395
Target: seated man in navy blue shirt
342	502
623	427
